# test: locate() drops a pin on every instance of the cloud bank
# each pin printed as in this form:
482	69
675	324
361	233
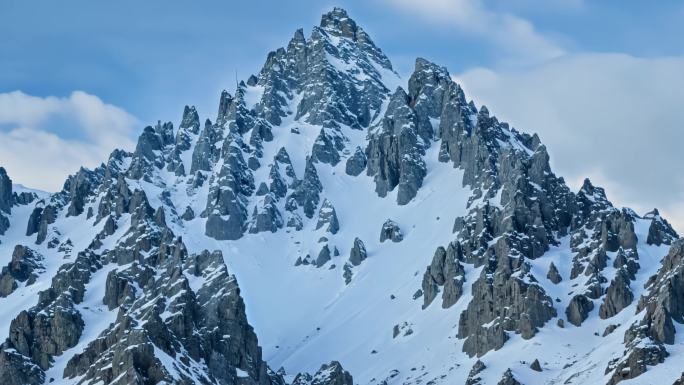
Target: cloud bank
513	36
614	118
38	154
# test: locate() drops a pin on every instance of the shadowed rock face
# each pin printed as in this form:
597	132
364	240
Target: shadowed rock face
646	340
327	218
5	200
659	232
395	151
445	272
24	267
391	231
578	309
189	324
680	381
5	192
328	374
358	253
473	375
356	163
553	275
618	296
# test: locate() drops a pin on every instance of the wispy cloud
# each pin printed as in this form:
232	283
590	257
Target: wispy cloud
611	117
514	36
40	156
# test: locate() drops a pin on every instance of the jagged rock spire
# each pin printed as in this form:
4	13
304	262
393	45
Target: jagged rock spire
339	23
5	192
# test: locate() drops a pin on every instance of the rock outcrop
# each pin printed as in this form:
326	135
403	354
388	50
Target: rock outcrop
356	163
508	379
553	275
474	374
328	374
391	230
445	272
5	200
578	309
25	266
327	217
395	151
331	99
358	252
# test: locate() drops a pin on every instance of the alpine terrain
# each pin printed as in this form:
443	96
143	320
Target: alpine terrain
335	224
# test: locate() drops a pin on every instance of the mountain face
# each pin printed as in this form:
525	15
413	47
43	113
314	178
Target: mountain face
367	228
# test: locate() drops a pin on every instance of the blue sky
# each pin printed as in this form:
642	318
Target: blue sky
599	80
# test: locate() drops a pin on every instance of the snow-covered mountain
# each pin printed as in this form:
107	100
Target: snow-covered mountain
381	231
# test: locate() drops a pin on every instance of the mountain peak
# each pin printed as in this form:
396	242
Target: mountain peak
338	23
587	187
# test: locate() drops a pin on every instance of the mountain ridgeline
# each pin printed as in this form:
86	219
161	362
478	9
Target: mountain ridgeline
386	226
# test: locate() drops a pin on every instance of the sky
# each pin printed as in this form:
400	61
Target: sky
601	82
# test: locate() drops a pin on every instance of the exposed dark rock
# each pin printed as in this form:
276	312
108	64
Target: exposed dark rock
327	145
17	369
444	271
356	163
503	302
578	309
188	214
196	328
680	381
664	303
395	151
508	379
5	194
609	329
474	374
328	374
347	273
25	266
327	217
626	261
536	366
553	275
323	256
618	296
205	153
358	252
226	209
24	198
306	191
4	224
79	187
390	230
659	232
267	217
148	154
253	163
47	217
636	362
187	310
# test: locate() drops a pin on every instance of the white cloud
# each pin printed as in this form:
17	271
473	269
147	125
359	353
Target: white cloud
614	118
37	154
514	36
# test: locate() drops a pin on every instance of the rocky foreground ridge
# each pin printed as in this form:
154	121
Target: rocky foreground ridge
388	226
